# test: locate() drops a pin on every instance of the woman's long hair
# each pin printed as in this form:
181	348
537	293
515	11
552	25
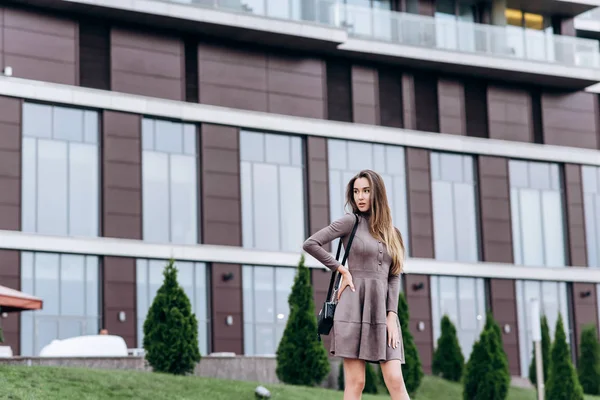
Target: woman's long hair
381	226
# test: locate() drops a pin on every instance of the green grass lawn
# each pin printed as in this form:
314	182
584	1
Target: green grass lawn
35	383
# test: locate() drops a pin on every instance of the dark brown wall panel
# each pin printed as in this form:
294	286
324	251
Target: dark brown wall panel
494	195
496	239
510	114
296	86
365	95
409	107
419	302
421	245
585	310
121	217
567	26
10	208
571	119
339	91
426	102
10	164
119	294
451	100
575	215
41	46
427	7
221	204
318	211
222	225
390	98
94	55
227	301
420	216
260	81
234	78
10	276
122	175
476	108
147	64
504	308
1	36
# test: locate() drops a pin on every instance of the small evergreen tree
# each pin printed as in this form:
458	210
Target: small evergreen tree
589	361
487	376
563	383
546	344
412	369
301	358
371	379
490	323
171	329
448	360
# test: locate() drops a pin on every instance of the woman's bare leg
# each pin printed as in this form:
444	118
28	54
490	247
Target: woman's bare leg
354	378
392	375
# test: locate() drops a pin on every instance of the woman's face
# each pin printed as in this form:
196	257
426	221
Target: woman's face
362	194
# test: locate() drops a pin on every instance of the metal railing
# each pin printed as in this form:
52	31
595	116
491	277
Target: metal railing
318	11
450	34
422	31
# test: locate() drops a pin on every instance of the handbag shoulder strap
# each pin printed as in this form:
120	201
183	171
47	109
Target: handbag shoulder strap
337	256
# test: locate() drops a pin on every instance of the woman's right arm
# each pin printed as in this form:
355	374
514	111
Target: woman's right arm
314	244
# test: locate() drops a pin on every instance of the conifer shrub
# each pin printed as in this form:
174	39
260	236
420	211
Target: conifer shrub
171	329
301	357
448	360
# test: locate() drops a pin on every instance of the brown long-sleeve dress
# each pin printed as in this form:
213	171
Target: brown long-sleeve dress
359	324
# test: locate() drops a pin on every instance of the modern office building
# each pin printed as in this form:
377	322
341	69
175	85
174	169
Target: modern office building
221	133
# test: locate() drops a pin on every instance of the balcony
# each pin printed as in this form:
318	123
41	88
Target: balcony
488	50
496	52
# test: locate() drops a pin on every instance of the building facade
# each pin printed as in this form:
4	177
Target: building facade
222	133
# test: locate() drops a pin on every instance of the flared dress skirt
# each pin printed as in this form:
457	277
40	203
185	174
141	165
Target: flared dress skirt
360	323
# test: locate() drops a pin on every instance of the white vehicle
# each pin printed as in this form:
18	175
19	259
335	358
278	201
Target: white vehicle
87	346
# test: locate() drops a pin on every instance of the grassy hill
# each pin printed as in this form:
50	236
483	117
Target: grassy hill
37	383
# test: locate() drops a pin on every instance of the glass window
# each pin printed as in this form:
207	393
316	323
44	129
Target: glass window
192	277
60	167
412	6
463	300
266	308
537	214
347	158
591	200
446	7
69	286
553	300
170	183
456	239
273	193
454	209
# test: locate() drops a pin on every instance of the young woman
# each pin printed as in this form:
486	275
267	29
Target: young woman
366	326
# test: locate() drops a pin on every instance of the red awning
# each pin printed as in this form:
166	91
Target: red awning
12	301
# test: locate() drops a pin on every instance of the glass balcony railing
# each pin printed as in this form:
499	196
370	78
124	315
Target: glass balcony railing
319	11
454	35
423	31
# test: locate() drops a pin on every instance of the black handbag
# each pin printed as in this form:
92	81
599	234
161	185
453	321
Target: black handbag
325	318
